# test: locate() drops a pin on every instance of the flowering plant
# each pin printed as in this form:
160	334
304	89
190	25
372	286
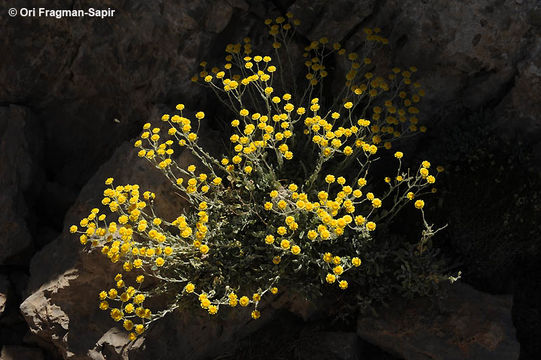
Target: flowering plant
294	204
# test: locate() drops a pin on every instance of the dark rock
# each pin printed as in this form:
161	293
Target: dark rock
14	352
79	76
521	103
91	83
468	325
326	345
19	280
4	288
18	167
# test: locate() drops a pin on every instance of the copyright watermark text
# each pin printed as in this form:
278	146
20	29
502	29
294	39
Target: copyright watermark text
61	13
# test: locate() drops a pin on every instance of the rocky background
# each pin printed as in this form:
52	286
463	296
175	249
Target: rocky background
63	82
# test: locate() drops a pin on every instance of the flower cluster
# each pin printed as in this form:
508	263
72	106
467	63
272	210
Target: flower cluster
291	203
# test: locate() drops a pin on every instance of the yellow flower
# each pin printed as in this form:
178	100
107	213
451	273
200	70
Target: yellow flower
138	299
330	278
116	314
205	303
295	250
327	257
212	309
329	179
128	325
269	239
139	329
356	262
256	314
338	270
376	203
285	244
343	284
289	107
371	226
129	308
244	301
419	204
431	179
204	249
348	105
189	288
200	115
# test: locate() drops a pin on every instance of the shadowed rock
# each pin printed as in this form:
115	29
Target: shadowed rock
468	324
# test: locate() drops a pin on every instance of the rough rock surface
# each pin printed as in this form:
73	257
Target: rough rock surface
468	324
81	87
4	288
328	345
61	306
18	168
13	352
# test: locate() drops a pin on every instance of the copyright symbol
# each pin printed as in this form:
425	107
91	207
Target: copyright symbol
12	12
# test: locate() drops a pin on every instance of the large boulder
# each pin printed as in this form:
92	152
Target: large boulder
467	324
65	279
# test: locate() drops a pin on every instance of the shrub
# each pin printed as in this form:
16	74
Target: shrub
295	204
